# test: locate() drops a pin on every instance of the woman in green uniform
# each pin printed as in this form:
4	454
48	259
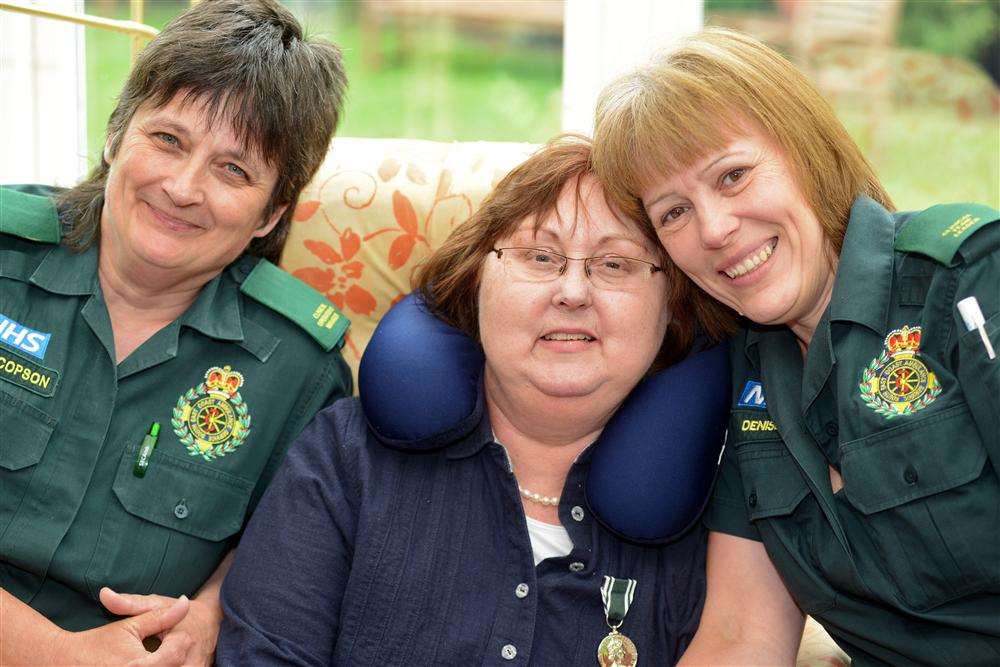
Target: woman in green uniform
154	365
860	481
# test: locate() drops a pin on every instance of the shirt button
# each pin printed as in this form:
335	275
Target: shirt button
752	499
576	566
181	510
509	652
521	590
831	429
576	513
910	475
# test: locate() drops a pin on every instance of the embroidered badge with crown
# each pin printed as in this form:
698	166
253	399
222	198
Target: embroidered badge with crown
211	419
897	381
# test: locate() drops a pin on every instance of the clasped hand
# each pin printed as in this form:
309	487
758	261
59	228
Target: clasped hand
187	630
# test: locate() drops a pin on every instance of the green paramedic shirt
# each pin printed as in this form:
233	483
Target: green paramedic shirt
902	565
231	382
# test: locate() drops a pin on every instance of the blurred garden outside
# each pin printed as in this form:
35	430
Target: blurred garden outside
938	139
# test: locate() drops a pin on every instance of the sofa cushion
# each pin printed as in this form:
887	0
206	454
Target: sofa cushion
376	209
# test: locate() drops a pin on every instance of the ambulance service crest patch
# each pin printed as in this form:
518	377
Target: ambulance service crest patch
211	419
897	382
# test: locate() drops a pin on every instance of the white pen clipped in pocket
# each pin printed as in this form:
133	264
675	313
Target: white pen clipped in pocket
973	317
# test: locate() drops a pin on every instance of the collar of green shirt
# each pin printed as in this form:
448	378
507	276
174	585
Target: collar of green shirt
215	312
62	271
861	291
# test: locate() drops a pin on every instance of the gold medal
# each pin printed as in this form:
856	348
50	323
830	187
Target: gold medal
617	650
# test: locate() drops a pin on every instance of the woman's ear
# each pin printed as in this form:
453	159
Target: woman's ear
271	222
109	146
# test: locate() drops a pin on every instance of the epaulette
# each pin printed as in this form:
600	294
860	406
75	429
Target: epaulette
940	231
28	216
282	292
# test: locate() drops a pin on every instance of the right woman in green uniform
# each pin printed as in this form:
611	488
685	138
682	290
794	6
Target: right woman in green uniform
860	481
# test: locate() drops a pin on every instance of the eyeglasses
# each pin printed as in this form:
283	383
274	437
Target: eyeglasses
605	272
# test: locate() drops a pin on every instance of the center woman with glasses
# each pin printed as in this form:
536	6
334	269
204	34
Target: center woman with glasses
607	271
484	552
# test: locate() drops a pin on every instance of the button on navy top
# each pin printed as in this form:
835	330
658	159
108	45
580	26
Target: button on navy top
362	555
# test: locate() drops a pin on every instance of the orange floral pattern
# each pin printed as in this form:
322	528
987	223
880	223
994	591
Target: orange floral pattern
339	279
406	219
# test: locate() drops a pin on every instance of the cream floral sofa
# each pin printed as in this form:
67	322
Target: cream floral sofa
376	209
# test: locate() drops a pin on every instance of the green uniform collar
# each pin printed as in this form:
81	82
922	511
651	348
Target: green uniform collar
215	311
63	271
862	288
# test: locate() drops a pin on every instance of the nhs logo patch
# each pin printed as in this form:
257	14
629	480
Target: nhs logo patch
752	396
22	338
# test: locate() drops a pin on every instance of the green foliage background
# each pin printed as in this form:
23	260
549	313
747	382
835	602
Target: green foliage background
963	28
505	84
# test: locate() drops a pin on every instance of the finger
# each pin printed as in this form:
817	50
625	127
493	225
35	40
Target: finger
159	619
128	604
173	651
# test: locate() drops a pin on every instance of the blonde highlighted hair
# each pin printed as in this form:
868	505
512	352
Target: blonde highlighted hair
693	100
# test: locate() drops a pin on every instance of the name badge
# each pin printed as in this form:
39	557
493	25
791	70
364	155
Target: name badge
28	374
752	426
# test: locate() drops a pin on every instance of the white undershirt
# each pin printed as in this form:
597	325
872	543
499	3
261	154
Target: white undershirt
548	540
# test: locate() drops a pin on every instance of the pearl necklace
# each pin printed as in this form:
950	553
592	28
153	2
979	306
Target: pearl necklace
551	501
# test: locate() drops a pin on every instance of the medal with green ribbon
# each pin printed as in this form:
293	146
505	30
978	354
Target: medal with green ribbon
617	650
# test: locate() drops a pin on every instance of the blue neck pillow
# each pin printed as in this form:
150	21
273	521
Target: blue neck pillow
419	379
651	469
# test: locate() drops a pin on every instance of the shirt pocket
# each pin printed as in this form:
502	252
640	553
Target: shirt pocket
167	531
26	434
772	482
930	509
773	489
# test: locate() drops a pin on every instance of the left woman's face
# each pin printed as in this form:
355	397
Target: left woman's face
567	338
183	195
738	226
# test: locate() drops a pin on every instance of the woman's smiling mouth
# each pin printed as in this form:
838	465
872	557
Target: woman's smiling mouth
568	340
567	336
753	261
172	223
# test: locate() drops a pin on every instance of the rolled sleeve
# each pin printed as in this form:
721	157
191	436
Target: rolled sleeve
726	512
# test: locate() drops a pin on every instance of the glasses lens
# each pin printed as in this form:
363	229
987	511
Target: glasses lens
533	263
613	271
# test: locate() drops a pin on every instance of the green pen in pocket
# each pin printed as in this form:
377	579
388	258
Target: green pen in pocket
146	450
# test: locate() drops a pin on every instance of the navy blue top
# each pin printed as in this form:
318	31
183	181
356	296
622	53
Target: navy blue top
363	555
